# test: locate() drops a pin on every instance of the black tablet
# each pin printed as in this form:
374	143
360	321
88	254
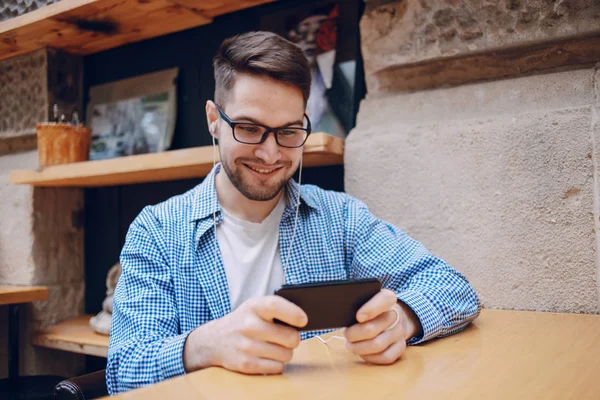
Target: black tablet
331	304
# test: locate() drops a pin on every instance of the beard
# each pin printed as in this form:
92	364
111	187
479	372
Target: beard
239	177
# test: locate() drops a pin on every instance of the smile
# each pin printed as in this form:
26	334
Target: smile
264	171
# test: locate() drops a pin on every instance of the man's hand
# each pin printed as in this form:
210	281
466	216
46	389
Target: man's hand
247	340
372	339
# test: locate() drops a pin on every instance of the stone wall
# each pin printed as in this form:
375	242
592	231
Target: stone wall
23	94
30	85
401	33
13	8
498	177
41	229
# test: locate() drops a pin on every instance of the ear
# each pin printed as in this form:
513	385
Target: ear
212	118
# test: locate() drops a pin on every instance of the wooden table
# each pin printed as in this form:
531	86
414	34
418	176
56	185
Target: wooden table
13	296
503	355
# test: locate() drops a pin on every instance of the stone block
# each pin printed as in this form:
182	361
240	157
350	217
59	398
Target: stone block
41	229
32	83
595	126
496	178
414	32
17	265
58	248
13	8
411	31
23	93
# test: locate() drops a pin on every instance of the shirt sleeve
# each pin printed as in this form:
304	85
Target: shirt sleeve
440	296
146	345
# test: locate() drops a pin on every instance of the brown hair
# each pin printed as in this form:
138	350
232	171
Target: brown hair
260	53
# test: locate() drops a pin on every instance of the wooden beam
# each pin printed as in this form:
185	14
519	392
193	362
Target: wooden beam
320	150
89	26
74	335
214	8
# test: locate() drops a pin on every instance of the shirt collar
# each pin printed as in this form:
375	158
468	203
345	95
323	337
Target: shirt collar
206	201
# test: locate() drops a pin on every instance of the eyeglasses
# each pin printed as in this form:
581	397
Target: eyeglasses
251	133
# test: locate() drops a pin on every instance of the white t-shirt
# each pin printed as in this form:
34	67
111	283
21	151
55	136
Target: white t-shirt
250	254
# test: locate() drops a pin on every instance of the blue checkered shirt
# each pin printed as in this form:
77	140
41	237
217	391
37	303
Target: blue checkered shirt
173	278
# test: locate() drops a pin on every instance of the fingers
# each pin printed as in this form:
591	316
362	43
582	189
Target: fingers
276	307
372	328
258	323
378	344
257	356
248	341
380	303
380	338
266	350
388	356
254	365
263	331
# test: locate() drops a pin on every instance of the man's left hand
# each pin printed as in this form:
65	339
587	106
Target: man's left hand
372	338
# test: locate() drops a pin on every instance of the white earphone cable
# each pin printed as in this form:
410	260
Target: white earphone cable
212	131
287	258
343	338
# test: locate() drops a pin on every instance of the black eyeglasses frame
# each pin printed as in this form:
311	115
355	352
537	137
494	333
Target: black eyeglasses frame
268	130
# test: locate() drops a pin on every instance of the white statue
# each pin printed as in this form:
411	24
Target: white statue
101	322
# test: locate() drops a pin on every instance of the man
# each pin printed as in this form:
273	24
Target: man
199	270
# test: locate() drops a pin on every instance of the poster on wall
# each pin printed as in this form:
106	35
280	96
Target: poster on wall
314	30
133	116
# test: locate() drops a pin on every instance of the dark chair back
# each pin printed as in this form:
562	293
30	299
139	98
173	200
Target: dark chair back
84	387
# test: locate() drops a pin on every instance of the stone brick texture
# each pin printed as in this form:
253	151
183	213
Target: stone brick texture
395	33
23	93
13	8
31	83
595	127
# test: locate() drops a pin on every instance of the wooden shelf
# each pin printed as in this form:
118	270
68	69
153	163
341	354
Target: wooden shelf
13	294
74	335
90	26
320	150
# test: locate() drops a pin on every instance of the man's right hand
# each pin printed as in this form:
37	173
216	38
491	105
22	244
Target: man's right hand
247	340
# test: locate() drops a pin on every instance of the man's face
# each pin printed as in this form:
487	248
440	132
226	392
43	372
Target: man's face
260	171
